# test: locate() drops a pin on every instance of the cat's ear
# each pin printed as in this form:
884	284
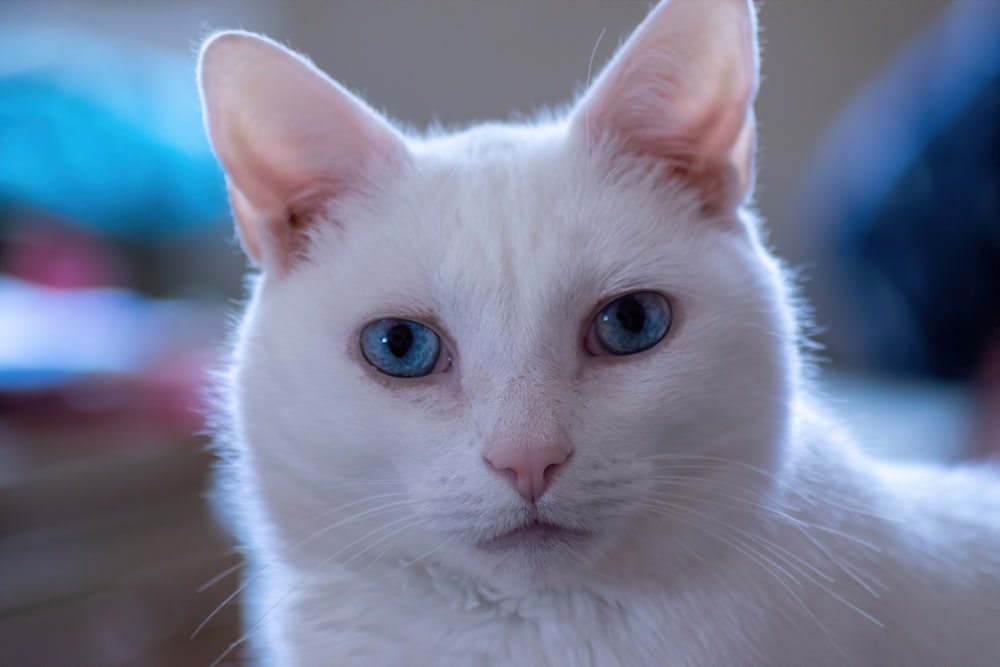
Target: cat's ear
681	89
289	138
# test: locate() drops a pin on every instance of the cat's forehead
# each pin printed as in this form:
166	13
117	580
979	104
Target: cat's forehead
526	205
495	225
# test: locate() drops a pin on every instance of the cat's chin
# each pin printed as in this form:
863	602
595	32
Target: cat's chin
536	553
533	537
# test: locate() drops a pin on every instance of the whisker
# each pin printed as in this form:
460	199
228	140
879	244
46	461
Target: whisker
787	556
373	482
590	69
416	560
847	536
707	458
260	567
219	577
734	542
354	517
408	523
843	566
298	585
676	538
229	598
688	482
677	516
799	563
229	649
827	500
360	501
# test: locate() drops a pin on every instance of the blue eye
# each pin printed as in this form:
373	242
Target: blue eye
630	324
400	347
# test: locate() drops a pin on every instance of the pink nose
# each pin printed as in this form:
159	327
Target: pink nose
530	469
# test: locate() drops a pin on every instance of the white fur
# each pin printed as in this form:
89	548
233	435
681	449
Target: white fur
732	524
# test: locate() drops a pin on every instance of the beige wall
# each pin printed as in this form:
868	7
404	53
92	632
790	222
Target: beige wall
461	60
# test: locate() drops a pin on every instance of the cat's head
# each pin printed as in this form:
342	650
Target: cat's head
567	329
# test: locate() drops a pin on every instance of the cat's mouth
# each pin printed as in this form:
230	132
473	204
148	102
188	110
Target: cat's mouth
533	533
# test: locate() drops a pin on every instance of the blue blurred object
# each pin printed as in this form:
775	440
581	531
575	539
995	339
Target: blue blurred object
906	194
104	134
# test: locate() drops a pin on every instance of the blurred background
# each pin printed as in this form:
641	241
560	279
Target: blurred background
879	175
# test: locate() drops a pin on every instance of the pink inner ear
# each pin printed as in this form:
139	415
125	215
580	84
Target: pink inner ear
277	190
704	154
289	138
278	237
681	91
298	158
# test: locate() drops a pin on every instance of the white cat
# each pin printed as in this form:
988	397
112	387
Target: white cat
533	394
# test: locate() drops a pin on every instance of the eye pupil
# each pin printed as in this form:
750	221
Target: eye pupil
631	314
630	324
401	348
399	339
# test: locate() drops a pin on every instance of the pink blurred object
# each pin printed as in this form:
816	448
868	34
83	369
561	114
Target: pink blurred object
46	252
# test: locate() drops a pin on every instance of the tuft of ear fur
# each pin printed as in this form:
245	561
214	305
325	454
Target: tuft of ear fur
681	89
289	138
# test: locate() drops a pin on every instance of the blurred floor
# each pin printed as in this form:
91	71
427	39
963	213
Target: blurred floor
102	554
